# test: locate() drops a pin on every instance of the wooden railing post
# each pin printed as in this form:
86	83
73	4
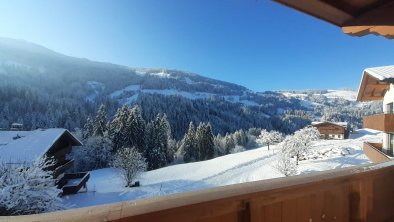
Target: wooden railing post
358	200
244	213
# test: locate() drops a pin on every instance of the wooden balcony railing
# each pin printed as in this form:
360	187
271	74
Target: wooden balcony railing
62	168
71	183
382	122
363	193
374	152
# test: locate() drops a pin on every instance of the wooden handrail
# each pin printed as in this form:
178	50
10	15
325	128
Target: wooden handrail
374	154
62	168
363	193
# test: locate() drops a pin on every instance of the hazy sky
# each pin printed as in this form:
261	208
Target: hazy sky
258	44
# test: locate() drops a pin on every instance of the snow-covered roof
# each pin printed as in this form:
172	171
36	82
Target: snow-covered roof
343	124
375	82
382	73
28	146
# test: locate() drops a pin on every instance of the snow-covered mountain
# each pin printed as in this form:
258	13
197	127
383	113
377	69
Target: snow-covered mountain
43	88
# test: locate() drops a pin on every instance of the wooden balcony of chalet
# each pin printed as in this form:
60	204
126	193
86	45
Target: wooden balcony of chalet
362	193
382	122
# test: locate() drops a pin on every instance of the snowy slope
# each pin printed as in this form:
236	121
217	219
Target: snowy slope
350	95
136	90
105	185
344	94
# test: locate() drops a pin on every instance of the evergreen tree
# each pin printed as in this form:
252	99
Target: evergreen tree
118	127
208	144
157	144
204	142
100	122
165	136
88	128
135	129
188	144
230	143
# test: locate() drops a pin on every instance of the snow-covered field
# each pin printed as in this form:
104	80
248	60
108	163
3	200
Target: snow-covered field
105	185
350	95
136	90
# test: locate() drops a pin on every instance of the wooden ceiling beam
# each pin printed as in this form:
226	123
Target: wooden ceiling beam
371	98
379	87
379	21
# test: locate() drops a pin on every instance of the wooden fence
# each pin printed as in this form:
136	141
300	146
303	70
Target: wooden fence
364	193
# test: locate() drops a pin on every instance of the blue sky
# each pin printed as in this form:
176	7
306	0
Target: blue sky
259	44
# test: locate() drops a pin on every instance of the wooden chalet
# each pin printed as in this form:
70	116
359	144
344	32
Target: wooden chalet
378	84
332	130
24	147
363	193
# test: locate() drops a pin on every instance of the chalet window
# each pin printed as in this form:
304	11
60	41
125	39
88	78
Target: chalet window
389	108
391	143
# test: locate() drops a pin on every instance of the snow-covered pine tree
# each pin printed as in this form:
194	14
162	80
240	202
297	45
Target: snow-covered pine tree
240	138
130	163
204	141
230	143
28	189
166	137
157	144
118	128
188	144
208	142
88	128
136	129
220	145
100	121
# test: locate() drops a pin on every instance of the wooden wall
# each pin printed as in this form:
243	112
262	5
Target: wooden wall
381	122
363	193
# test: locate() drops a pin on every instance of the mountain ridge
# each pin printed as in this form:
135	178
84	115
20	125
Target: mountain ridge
42	88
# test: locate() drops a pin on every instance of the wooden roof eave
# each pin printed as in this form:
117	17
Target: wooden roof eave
376	88
376	18
379	21
73	139
319	9
330	123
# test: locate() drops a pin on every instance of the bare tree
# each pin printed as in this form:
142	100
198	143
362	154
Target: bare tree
300	143
286	164
269	138
130	163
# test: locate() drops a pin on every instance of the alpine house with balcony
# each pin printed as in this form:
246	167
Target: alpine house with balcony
25	147
378	84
